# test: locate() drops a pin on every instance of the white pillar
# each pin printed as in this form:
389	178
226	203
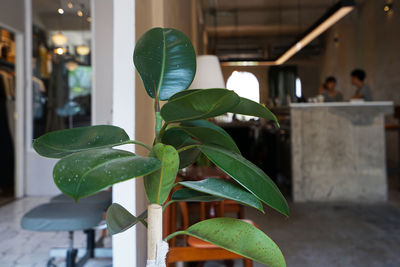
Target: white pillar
114	97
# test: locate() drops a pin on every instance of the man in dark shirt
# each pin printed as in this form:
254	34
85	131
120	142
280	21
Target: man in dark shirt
363	91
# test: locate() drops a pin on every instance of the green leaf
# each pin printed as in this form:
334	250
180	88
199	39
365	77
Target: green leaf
205	123
199	104
158	185
251	108
189	195
248	175
239	237
62	143
211	135
166	61
225	189
86	173
119	219
177	138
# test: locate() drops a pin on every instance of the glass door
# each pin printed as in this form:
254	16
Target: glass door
61	87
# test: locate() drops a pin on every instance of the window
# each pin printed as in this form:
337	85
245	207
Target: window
246	85
299	90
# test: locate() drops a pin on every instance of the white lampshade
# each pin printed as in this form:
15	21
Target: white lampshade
208	74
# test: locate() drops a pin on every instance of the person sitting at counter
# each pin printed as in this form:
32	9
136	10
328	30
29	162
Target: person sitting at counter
363	91
329	92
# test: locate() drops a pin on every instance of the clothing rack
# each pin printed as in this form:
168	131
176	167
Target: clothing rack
9	65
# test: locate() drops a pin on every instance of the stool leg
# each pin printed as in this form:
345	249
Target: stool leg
90	242
71	252
71	256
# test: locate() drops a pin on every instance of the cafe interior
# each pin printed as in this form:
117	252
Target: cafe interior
327	69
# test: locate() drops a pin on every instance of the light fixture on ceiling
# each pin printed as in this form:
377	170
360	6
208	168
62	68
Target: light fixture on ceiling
70	5
60	11
60	50
89	19
333	15
79	13
71	65
59	39
388	8
83	50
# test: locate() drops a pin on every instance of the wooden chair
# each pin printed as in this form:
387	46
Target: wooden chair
194	249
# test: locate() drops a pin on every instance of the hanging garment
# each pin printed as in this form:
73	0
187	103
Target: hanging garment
58	93
6	144
8	80
39	100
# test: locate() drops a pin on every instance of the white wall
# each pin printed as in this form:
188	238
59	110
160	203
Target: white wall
114	99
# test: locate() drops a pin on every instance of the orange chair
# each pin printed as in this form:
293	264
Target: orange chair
194	249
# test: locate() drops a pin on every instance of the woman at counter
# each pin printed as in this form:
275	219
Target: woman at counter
329	92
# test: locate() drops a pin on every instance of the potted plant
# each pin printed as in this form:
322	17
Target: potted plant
90	160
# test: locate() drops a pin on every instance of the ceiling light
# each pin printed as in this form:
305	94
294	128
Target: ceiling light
83	50
70	5
59	51
89	19
71	65
79	13
60	11
59	39
333	15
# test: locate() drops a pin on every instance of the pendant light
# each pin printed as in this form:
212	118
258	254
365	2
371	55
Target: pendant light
59	39
82	50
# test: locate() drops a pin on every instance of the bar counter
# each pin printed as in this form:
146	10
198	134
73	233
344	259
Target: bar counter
338	151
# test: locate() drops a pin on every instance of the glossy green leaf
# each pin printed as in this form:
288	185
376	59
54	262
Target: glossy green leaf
183	93
119	219
251	108
212	136
177	138
166	62
238	237
199	104
225	189
158	185
248	175
62	143
189	195
86	173
205	123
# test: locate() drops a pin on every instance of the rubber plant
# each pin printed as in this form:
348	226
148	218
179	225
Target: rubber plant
90	160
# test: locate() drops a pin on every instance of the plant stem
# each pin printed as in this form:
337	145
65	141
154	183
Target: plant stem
173	235
161	133
137	143
180	150
154	230
158	124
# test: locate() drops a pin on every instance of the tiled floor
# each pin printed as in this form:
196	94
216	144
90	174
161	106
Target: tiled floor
337	235
334	235
20	248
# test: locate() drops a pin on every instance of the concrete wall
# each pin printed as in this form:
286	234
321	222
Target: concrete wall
368	39
12	14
